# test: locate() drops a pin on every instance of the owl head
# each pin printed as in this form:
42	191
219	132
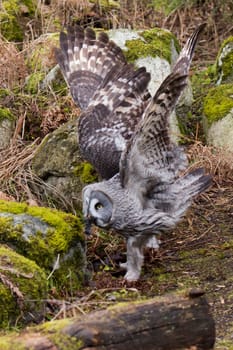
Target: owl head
107	204
97	208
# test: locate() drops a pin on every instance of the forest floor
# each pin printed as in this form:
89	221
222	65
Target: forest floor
198	253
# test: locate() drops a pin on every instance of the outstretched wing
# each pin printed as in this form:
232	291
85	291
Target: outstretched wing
85	61
111	93
151	159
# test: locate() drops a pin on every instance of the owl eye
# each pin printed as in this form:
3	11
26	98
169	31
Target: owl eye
98	206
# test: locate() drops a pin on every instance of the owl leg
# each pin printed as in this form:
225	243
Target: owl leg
135	258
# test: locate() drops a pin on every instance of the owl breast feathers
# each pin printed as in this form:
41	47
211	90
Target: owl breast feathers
124	133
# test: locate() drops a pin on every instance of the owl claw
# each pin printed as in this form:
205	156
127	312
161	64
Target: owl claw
132	276
123	266
153	242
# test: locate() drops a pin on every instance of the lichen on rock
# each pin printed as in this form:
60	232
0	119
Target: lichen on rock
51	238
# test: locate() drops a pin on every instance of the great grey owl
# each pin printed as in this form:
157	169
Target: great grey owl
124	133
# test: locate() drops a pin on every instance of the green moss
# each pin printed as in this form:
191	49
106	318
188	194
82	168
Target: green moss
218	102
224	345
42	57
64	342
10	342
167	6
63	240
154	42
86	173
224	66
54	326
20	275
107	3
202	80
4	93
5	113
33	82
54	331
11	14
10	28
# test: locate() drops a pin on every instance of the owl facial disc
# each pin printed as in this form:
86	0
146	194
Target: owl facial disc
97	209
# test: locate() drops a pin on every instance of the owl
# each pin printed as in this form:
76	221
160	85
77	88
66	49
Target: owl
123	132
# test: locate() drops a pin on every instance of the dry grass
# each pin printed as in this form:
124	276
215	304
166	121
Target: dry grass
14	171
12	66
216	161
19	183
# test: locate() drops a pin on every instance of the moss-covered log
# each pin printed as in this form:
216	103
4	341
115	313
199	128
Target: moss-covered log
170	322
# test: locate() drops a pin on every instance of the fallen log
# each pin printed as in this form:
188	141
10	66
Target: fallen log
163	323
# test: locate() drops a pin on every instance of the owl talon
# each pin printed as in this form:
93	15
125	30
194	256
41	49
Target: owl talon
132	276
123	266
153	242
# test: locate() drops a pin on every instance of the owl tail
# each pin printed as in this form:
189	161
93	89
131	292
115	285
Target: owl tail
196	182
188	187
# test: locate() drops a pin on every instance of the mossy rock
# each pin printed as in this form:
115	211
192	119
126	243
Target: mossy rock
218	116
51	238
224	62
156	49
14	15
41	56
152	42
58	162
218	103
23	289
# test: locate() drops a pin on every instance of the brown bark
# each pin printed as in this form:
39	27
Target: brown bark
158	324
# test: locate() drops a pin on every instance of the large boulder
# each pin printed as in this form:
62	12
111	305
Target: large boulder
58	163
